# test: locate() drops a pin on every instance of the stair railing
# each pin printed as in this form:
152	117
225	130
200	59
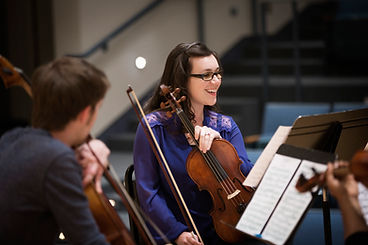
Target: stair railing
265	66
103	43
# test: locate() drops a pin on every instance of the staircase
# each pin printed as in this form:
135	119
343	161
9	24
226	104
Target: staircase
326	76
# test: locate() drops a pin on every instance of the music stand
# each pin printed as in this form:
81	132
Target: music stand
342	133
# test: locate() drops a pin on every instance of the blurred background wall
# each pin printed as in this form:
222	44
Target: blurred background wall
36	31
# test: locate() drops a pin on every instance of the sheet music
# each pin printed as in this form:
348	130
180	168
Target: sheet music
257	172
291	207
363	200
363	196
267	194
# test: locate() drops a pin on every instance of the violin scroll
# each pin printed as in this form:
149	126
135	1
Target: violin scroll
13	76
172	104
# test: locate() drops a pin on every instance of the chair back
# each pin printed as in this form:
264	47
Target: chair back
285	113
129	182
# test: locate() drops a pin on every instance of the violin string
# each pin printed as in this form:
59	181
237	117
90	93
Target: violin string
189	127
226	183
213	163
210	159
239	198
227	180
215	166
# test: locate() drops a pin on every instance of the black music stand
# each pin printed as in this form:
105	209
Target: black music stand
342	133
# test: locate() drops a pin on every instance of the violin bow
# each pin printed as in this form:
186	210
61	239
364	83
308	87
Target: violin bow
163	163
125	198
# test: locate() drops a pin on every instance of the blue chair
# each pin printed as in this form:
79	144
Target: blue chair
311	230
284	114
253	154
345	106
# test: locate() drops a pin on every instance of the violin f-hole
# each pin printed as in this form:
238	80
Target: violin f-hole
222	209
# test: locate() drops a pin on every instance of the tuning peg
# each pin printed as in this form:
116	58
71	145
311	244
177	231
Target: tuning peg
176	91
182	98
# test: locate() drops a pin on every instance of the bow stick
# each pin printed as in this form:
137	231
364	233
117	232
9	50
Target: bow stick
163	164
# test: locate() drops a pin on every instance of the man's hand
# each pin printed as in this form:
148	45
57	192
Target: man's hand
92	170
343	188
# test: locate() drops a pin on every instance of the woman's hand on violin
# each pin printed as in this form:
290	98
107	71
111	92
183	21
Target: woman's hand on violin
205	136
187	238
92	170
343	188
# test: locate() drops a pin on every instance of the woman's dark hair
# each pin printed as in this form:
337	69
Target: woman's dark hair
176	75
63	88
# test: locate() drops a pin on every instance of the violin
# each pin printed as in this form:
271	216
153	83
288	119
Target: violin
106	217
216	171
358	166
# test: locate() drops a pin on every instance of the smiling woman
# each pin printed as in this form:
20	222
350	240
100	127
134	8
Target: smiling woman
196	71
204	91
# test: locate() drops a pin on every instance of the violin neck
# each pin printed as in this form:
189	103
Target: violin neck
187	124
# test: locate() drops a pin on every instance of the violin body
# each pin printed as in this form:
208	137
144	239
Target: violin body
107	219
229	200
359	166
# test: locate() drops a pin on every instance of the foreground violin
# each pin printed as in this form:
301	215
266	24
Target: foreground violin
358	167
217	171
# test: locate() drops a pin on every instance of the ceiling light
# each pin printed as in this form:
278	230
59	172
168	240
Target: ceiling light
140	62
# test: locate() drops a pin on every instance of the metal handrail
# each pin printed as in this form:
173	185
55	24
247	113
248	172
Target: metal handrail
102	44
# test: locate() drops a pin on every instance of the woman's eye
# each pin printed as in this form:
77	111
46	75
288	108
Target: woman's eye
207	75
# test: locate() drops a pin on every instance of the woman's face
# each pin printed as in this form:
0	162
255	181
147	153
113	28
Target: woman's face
203	92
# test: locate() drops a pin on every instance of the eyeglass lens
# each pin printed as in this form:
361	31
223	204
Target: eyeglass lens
209	75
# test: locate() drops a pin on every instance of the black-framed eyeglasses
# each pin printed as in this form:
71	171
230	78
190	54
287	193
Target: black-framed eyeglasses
208	76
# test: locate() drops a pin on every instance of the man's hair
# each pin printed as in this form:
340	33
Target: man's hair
62	89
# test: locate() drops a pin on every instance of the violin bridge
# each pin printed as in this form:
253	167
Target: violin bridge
232	195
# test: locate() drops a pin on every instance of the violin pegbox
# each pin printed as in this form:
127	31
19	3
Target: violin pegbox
172	102
166	106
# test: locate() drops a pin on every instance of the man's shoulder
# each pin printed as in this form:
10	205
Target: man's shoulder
39	142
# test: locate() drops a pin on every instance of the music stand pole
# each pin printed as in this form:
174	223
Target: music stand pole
326	217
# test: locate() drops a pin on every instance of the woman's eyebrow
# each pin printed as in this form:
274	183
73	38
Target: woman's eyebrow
210	70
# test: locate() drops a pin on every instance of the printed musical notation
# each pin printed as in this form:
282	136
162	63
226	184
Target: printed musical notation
277	207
